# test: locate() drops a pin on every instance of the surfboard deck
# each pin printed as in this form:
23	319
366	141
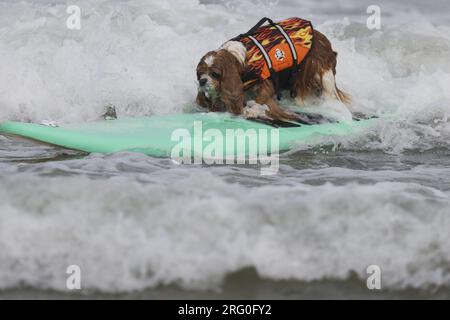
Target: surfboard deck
157	135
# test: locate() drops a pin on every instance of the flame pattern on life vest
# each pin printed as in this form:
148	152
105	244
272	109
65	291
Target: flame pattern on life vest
301	33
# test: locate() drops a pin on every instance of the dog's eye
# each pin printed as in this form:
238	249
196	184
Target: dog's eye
216	75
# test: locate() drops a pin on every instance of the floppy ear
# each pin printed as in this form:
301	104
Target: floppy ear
213	106
202	101
231	85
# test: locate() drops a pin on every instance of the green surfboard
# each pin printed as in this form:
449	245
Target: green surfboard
159	135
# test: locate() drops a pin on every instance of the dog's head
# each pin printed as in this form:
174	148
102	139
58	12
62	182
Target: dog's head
220	87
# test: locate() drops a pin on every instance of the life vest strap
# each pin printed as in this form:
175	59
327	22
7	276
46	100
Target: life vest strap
255	28
263	51
294	68
274	76
289	41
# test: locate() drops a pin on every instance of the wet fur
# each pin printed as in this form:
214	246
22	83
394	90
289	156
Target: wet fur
315	78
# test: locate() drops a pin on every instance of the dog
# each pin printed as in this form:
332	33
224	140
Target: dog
222	73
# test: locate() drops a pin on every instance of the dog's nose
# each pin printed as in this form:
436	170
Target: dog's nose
202	82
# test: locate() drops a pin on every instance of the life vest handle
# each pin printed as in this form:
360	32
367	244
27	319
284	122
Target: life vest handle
274	76
257	26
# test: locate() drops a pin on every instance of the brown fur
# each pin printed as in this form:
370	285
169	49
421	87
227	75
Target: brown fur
230	90
320	59
230	87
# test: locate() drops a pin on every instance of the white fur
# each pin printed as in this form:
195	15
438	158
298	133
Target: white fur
207	77
209	60
237	49
329	85
208	89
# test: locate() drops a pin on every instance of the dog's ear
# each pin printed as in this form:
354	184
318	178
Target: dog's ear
211	105
202	101
231	85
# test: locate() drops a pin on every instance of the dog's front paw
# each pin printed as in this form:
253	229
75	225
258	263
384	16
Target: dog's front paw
254	110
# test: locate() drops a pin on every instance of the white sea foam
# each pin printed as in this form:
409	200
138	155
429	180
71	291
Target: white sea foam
133	222
141	56
128	236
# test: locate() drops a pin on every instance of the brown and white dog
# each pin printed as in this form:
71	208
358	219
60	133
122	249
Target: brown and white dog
220	85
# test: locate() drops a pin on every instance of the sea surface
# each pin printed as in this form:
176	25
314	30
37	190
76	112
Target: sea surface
147	228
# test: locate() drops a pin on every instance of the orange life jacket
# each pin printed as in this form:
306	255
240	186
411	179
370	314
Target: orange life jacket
275	51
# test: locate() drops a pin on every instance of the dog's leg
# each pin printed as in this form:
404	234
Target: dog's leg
202	101
265	96
329	87
316	77
279	116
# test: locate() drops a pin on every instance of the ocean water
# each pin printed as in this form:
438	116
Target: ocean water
142	227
